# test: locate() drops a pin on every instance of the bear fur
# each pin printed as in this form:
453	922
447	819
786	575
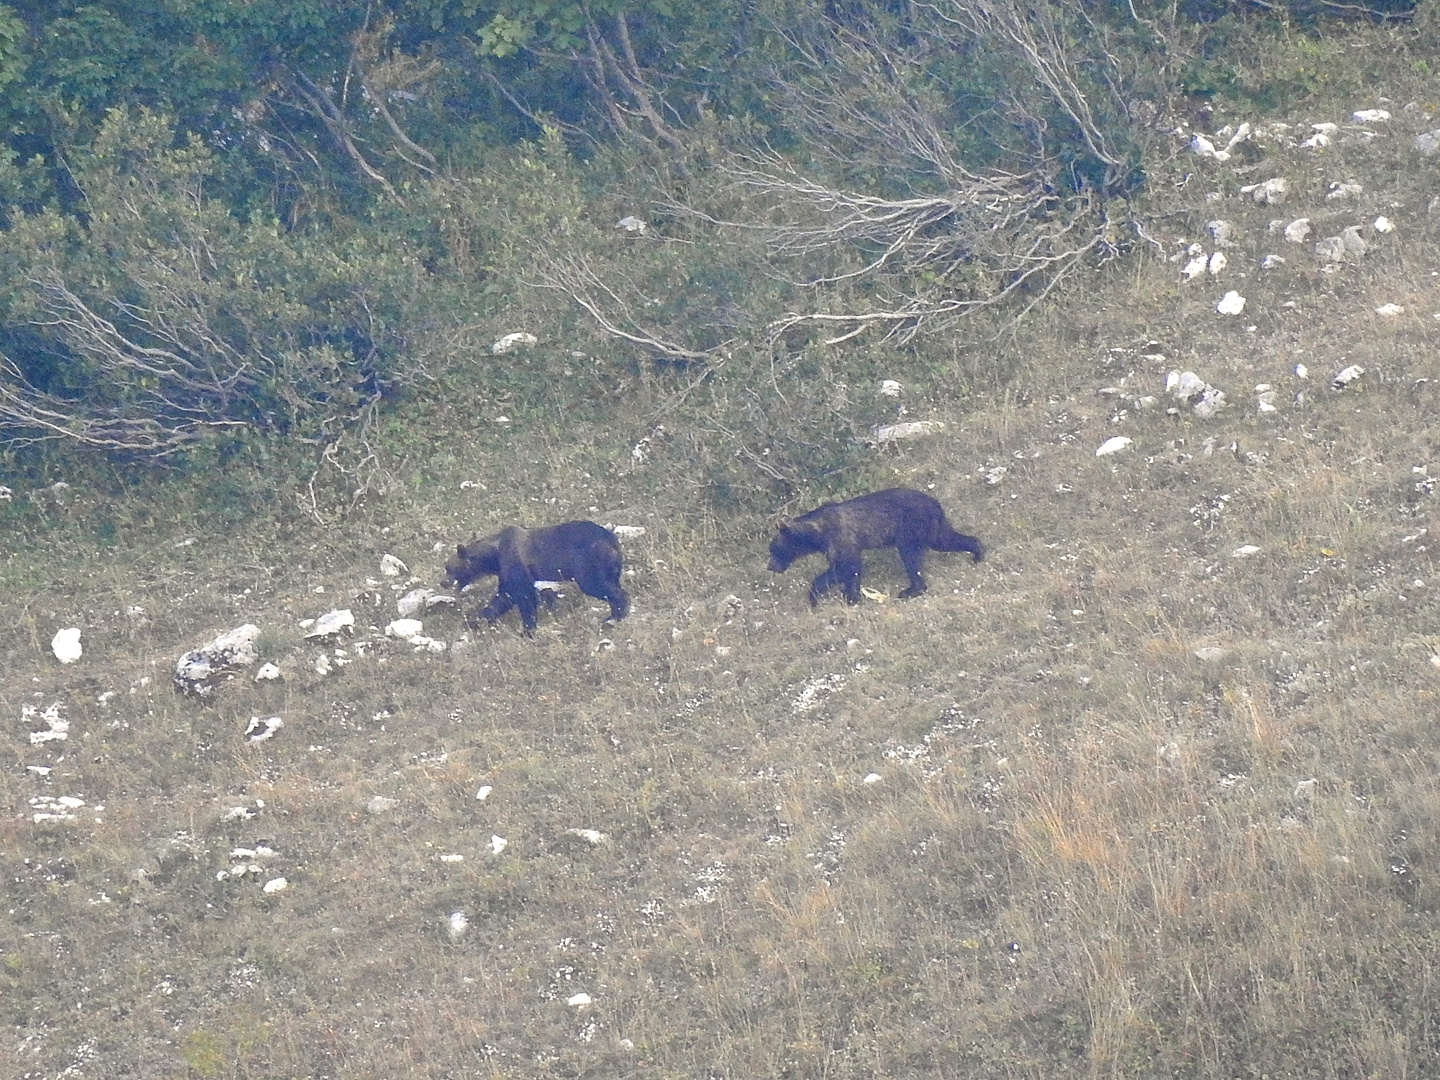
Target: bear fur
907	520
578	551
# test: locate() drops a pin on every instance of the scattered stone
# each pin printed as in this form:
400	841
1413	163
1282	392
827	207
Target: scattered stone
992	477
413	601
1306	787
275	885
498	844
1390	310
1345	378
379	804
1301	371
1331	249
267	673
1344	191
1232	303
323	665
390	566
633	225
1270	262
1269	192
591	836
1245	551
1169	753
511	342
1370	116
872	778
483	793
1210	653
331	623
57	729
1113	445
6	494
1222	232
578	1001
236	648
1355	244
888	388
911	429
1188	387
1298	231
405	629
259	730
1195	267
457	924
66	645
1427	143
1317	141
1217	263
628	532
1383	224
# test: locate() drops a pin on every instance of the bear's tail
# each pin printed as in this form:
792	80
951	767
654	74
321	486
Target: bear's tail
947	539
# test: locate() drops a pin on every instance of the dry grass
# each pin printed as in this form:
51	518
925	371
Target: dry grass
1089	852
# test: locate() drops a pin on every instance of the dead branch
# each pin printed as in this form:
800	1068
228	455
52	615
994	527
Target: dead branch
573	276
334	122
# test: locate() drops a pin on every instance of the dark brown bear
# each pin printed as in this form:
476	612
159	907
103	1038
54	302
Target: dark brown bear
907	520
578	551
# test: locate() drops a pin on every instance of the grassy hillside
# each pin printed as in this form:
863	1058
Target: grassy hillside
1119	801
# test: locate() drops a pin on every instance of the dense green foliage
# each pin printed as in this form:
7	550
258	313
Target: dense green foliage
261	219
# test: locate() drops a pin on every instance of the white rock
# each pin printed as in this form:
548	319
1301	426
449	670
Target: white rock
57	729
628	532
1113	445
1217	262
1301	371
1268	192
1231	304
1194	267
1210	654
259	730
484	793
452	858
1245	551
1331	249
1390	310
390	566
405	629
1370	116
887	433
498	844
1325	128
511	342
331	623
1306	787
323	665
275	885
579	1001
6	494
1222	231
632	224
889	388
66	645
457	924
1270	262
1355	244
1298	231
1427	143
591	836
1344	191
1383	224
1345	378
1202	146
233	649
379	804
872	778
427	644
1316	141
267	672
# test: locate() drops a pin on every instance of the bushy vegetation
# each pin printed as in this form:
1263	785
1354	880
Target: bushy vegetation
1151	791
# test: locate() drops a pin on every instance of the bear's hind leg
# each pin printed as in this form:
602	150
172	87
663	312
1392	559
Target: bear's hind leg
913	559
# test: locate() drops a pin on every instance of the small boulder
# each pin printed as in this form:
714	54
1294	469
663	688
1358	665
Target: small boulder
195	669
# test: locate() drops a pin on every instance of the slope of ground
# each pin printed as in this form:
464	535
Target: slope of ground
1151	791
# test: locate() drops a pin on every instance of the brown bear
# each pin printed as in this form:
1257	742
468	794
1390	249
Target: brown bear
578	551
902	518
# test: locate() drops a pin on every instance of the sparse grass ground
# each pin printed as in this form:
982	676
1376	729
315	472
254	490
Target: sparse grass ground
1089	850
